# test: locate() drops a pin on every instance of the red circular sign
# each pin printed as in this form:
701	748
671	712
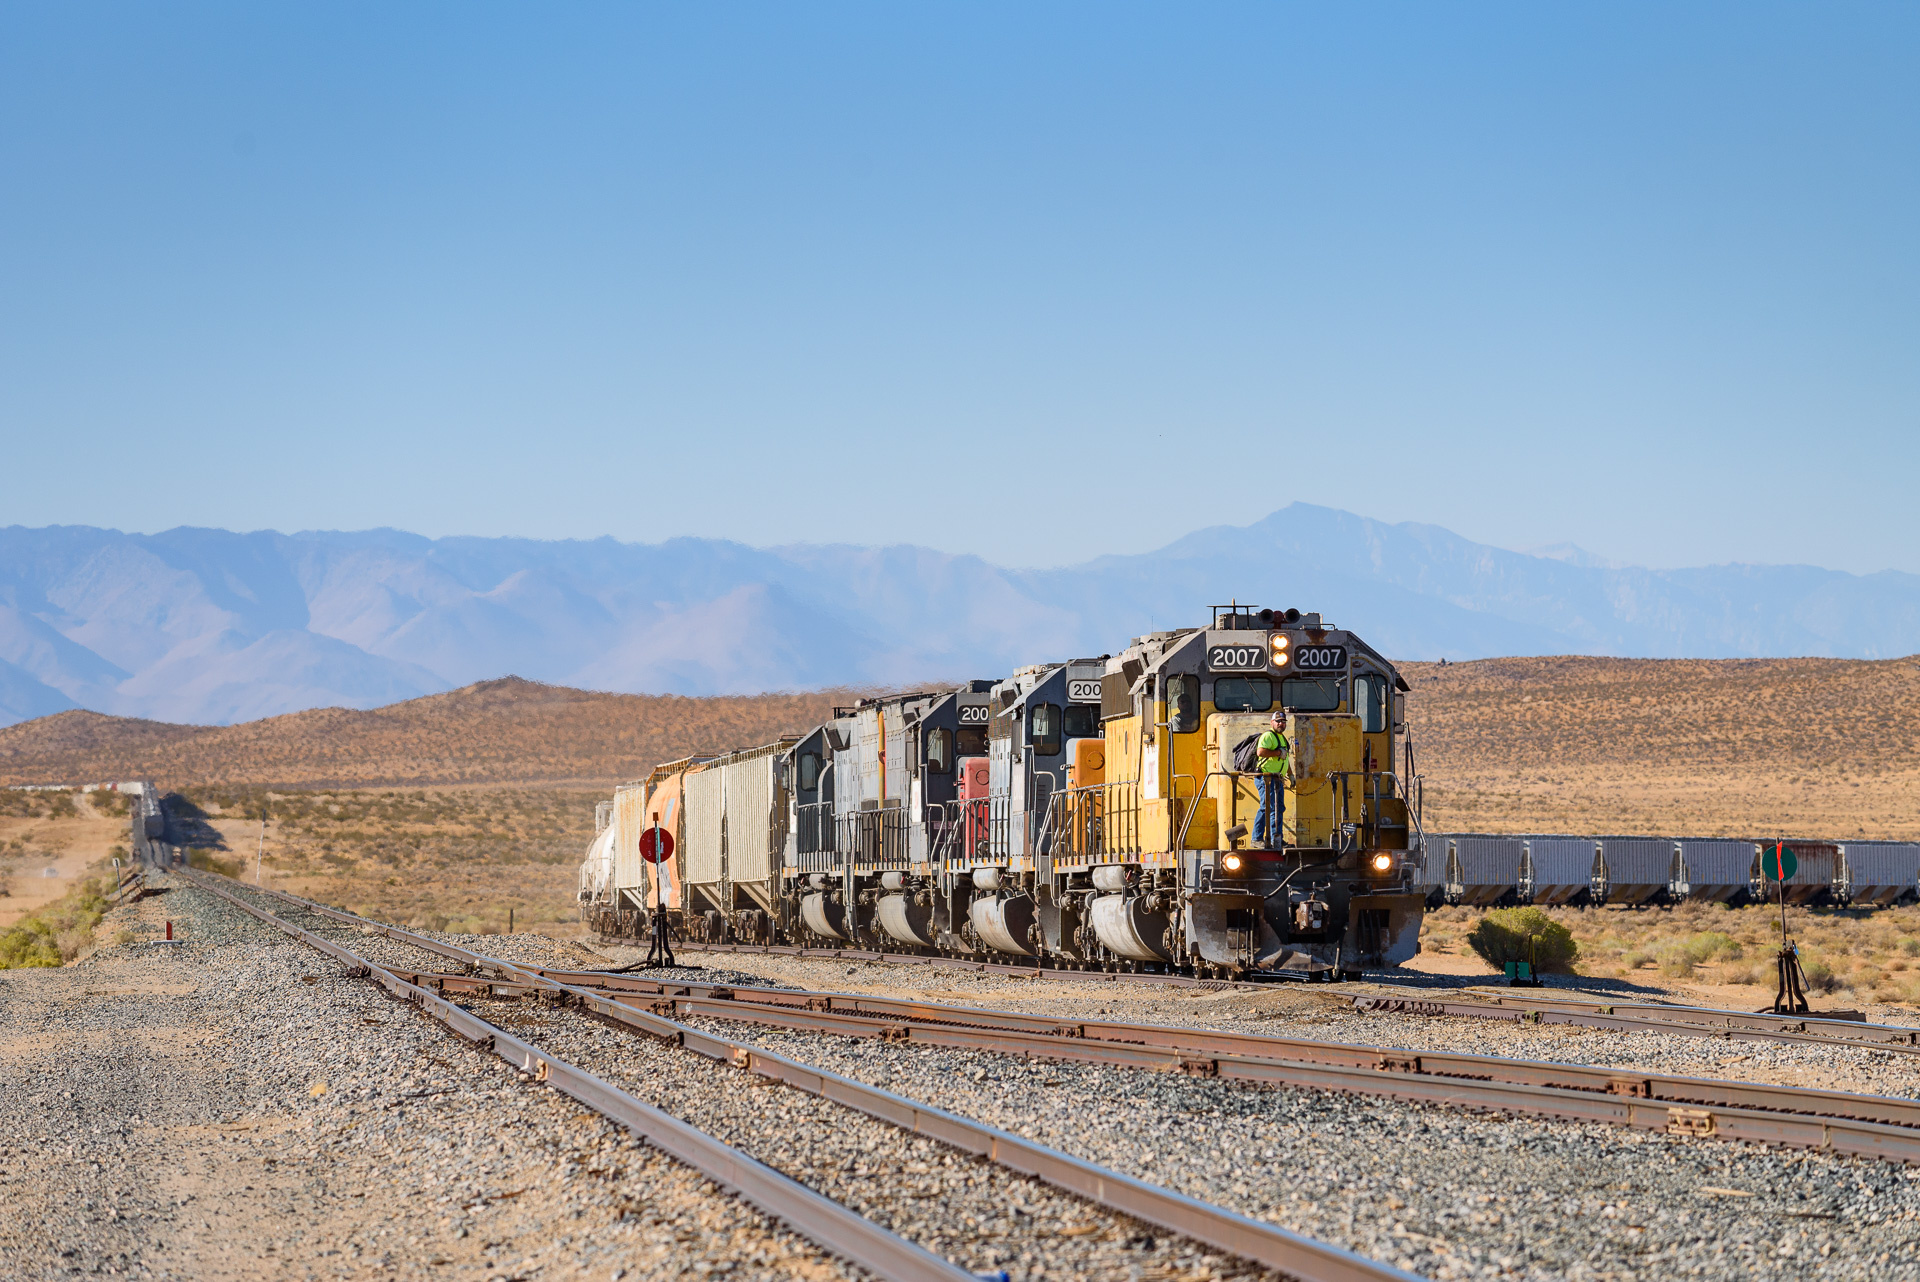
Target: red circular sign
656	844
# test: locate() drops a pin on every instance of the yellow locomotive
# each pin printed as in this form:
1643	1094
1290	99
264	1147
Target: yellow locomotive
1144	857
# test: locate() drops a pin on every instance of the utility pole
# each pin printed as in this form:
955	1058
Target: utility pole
261	850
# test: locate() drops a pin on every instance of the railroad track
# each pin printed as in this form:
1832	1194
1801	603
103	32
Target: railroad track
1834	1121
1014	969
1876	1126
824	1221
1690	1021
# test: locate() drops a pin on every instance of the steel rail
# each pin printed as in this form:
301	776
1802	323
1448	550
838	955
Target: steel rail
823	1221
1884	1127
1014	969
1614	1016
1301	1257
1636	1017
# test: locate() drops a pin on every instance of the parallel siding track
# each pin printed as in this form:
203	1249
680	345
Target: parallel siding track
1615	1016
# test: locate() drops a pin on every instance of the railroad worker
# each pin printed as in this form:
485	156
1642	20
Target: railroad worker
1272	757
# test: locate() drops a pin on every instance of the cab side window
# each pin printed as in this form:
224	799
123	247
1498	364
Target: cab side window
1043	729
1370	701
1183	703
809	772
940	751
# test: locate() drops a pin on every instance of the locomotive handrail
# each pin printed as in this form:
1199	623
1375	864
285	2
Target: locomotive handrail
1181	842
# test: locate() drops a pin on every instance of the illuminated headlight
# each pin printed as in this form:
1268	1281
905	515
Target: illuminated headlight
1232	862
1383	862
1277	648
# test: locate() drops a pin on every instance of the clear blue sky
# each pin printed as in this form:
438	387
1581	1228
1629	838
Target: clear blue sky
1036	281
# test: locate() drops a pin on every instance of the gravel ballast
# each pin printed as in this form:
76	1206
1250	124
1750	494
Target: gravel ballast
235	1106
1443	1192
966	1209
1325	1013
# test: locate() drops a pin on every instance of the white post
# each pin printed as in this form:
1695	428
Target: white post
261	850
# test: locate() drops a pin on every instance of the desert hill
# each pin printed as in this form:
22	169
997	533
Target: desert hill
507	731
1738	747
1733	747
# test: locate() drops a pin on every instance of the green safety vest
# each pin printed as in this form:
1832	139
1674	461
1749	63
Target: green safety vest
1272	742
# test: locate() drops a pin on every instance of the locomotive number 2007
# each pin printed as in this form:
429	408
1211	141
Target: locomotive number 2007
977	715
1320	658
1237	658
1083	691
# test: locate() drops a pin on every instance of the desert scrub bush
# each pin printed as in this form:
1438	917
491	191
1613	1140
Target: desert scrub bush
1820	977
207	861
57	933
1524	934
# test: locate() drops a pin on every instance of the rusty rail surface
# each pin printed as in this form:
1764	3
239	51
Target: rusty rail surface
1687	1021
1634	1017
821	1220
1303	1258
1015	969
1884	1127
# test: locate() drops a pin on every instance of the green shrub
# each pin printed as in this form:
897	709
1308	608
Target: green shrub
1524	934
1705	945
57	933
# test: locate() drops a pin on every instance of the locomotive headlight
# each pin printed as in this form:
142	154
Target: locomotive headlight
1277	648
1232	862
1383	862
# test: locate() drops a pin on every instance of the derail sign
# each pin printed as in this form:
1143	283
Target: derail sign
656	844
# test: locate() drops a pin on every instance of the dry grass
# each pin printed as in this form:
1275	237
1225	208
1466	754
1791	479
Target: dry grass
1865	954
1736	748
434	859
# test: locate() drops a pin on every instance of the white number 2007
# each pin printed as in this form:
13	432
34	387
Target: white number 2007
1237	658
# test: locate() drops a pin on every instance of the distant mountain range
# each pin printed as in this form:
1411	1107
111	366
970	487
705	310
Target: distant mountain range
212	627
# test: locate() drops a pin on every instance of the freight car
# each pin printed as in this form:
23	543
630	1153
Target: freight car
1083	814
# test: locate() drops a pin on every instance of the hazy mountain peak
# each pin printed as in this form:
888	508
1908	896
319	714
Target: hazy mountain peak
211	626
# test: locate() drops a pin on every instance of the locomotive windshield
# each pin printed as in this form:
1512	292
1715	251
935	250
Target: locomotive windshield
1305	694
1082	720
1242	694
940	751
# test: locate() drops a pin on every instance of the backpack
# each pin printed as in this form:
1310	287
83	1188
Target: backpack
1246	753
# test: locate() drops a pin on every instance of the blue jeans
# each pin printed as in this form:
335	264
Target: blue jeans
1269	819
